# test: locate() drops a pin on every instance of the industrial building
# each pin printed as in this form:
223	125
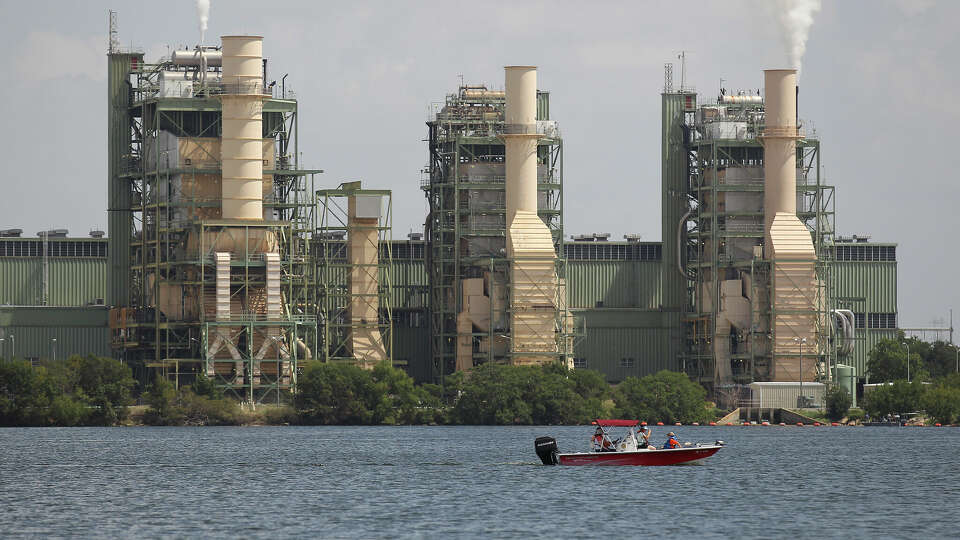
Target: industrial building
227	256
494	185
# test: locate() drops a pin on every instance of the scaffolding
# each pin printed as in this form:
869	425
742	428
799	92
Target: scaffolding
354	260
165	229
720	231
464	183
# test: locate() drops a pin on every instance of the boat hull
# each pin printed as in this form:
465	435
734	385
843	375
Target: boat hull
641	457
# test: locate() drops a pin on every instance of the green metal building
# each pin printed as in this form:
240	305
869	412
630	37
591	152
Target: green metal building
864	276
51	295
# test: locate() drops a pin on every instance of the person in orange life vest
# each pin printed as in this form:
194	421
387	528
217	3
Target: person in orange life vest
672	441
600	441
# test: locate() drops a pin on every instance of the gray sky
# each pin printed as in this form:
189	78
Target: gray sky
879	84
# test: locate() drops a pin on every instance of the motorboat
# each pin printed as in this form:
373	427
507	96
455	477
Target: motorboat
629	449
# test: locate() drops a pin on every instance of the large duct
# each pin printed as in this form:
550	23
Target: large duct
788	243
241	151
365	342
533	278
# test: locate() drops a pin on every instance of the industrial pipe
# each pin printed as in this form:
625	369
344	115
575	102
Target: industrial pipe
680	265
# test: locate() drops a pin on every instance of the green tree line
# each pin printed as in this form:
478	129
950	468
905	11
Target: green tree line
78	391
97	391
933	385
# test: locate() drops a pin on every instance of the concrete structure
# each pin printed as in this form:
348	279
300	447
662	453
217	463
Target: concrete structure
794	298
353	268
533	273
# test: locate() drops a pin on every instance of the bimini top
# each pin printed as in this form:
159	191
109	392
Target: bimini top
616	423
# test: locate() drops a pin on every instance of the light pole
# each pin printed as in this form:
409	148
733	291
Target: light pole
13	345
54	343
1	347
907	347
801	341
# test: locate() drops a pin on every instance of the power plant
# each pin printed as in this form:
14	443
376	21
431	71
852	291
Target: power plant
227	257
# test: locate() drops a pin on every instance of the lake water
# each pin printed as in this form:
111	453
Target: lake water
438	482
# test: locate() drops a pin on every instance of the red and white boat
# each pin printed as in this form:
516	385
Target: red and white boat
630	449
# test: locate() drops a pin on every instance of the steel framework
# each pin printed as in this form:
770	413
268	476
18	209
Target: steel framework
158	213
464	183
714	233
335	269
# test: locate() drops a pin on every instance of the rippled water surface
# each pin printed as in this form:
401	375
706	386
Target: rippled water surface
769	482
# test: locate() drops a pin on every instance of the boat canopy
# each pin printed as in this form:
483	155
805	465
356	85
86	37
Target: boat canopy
616	423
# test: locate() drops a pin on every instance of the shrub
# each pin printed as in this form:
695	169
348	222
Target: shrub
284	414
204	411
838	402
942	403
667	397
550	394
161	397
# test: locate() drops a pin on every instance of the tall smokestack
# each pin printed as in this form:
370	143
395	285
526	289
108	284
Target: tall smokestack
533	277
242	140
520	131
788	243
780	144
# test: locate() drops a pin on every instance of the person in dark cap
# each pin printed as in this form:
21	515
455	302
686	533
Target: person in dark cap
643	436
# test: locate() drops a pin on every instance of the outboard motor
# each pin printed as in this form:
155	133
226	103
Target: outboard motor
547	450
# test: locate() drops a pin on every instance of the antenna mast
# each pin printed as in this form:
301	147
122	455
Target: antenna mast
114	40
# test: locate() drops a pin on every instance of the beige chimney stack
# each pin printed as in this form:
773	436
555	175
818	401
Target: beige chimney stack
788	243
241	151
533	276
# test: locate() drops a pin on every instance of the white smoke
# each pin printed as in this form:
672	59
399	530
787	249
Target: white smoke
203	13
796	18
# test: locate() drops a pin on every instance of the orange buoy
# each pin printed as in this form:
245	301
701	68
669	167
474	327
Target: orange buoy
816	423
937	424
729	423
678	424
799	423
659	423
713	423
782	424
695	424
834	424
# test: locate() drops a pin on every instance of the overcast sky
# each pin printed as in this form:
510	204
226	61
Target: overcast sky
879	83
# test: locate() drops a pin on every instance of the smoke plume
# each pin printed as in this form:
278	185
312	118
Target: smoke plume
203	13
796	18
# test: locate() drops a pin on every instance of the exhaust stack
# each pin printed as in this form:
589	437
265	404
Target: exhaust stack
533	277
788	243
242	147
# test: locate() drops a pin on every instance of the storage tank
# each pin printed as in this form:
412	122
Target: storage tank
846	377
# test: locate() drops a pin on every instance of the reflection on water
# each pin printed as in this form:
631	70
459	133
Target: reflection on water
470	482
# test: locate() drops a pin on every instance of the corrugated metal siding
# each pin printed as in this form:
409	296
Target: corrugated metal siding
73	281
77	331
612	335
412	345
37	341
543	105
866	287
410	287
618	284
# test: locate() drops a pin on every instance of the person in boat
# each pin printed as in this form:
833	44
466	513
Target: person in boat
672	441
643	436
600	441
